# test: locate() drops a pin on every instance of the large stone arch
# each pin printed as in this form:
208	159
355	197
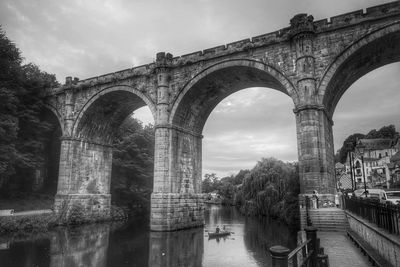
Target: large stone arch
202	93
106	110
375	49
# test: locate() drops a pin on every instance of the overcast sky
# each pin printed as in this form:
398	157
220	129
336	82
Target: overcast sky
85	38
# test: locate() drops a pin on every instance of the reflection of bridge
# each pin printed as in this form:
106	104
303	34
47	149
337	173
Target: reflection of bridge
313	62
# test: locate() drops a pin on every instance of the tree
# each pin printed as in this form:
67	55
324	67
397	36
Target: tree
10	61
271	189
22	131
352	139
133	164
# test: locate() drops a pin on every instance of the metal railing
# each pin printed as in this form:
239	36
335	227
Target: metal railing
386	216
311	253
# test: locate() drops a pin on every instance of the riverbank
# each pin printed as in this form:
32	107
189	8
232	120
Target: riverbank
44	222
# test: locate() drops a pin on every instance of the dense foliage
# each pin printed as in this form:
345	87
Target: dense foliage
133	164
271	189
22	130
386	132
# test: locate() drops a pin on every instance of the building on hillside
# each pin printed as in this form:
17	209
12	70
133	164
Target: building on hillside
394	167
377	155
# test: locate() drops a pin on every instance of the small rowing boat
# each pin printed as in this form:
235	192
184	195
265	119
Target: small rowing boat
220	234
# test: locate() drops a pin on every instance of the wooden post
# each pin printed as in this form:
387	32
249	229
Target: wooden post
279	256
311	233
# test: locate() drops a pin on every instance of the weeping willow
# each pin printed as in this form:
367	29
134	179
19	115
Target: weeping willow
271	189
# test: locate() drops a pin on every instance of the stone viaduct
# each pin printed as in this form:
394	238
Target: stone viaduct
313	62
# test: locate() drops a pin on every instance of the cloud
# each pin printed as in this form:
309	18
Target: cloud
90	38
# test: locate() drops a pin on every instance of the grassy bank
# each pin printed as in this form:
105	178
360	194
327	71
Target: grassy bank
43	222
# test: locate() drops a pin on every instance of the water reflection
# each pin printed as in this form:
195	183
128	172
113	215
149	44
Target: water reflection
249	242
132	244
80	246
180	248
262	233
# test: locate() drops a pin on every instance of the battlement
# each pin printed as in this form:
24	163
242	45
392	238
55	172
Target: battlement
102	79
238	46
358	16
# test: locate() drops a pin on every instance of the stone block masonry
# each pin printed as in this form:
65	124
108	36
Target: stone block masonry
174	211
312	62
83	206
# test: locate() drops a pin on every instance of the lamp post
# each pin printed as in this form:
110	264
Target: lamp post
360	148
350	148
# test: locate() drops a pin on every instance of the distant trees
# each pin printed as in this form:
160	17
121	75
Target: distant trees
22	131
386	132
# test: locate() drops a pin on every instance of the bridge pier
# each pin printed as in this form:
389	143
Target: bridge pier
176	201
84	179
315	151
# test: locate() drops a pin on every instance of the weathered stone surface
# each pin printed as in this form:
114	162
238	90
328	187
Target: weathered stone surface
313	62
387	245
84	206
174	211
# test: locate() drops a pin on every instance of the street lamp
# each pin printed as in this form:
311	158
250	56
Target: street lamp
360	148
350	148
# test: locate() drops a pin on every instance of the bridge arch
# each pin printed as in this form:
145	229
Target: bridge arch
86	156
202	93
54	111
375	49
105	111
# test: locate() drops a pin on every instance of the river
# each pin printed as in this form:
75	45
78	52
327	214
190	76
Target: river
132	244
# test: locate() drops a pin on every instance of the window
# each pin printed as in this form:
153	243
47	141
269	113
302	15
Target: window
380	155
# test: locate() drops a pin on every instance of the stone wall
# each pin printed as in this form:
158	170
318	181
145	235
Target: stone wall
387	245
171	211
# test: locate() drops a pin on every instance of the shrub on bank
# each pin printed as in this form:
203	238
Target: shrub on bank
38	223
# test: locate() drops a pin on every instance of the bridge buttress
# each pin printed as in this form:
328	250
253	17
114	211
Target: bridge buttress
84	179
176	201
314	126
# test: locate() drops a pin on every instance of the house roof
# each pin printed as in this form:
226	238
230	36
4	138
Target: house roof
378	143
339	165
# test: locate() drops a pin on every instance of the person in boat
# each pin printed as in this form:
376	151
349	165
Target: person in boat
223	228
217	229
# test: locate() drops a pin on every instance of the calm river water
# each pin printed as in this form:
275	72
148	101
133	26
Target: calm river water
132	244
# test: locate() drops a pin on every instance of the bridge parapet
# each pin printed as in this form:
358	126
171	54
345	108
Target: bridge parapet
143	70
358	16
